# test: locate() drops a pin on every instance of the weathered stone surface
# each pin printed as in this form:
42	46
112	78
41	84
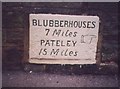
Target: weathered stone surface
14	23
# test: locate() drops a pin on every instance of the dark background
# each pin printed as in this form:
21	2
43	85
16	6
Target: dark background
14	26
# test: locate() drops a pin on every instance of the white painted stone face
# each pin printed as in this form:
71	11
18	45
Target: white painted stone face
63	39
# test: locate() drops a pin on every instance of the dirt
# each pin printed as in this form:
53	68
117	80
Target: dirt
41	79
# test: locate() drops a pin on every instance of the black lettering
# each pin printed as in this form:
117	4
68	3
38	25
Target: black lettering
62	33
70	53
40	51
70	34
80	24
66	52
56	23
45	51
62	52
93	23
68	42
47	43
62	43
66	33
52	42
75	34
76	53
34	22
70	23
56	32
45	23
84	24
58	43
48	30
74	43
88	24
75	24
61	23
54	52
51	23
66	23
42	41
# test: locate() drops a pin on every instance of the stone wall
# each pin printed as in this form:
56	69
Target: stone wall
14	26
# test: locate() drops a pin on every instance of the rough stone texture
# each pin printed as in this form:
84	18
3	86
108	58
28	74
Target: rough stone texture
31	79
14	24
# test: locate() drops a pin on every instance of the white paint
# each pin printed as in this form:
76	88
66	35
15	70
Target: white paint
85	46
